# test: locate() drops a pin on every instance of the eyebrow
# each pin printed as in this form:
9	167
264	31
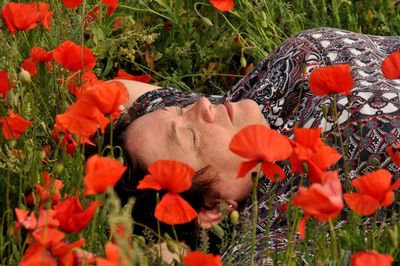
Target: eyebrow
172	132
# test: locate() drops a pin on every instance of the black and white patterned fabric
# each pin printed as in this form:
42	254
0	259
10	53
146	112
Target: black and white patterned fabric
369	119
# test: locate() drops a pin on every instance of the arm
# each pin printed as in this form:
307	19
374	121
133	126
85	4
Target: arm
136	89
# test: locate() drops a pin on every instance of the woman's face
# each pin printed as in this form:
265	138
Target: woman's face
198	135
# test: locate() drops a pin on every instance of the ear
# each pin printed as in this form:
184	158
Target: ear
206	218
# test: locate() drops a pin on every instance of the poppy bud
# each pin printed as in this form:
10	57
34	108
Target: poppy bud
172	247
41	155
207	21
234	217
243	62
393	236
141	240
25	76
58	168
218	231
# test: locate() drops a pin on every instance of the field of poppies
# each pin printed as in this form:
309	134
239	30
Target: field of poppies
58	207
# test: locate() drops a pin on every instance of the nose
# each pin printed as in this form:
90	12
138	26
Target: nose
203	110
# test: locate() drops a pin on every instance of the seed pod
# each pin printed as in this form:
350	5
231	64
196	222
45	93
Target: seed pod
171	245
393	236
234	217
207	21
218	231
58	168
25	76
243	62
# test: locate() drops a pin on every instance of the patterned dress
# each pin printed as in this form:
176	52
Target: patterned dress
369	120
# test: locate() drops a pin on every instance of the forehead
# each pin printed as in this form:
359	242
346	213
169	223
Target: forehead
148	138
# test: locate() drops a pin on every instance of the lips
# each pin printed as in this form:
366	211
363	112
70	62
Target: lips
229	108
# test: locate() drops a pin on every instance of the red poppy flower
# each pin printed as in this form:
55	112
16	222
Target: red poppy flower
106	96
46	219
175	177
37	254
45	14
92	15
19	16
223	5
13	125
65	252
394	153
323	201
72	217
308	148
112	254
76	86
370	258
70	56
375	191
5	83
40	55
83	120
391	66
50	189
112	5
261	144
326	80
29	222
30	65
197	258
122	74
48	236
71	3
101	174
67	141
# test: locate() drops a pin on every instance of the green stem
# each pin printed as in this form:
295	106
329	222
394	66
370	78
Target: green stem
333	242
255	213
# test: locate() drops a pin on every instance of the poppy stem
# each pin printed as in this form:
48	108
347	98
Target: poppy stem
333	243
255	212
344	153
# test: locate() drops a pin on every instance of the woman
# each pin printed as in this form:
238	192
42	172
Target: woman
164	123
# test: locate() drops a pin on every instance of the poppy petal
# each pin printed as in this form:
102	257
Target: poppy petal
173	209
168	174
122	74
361	203
102	173
74	57
245	167
370	257
48	236
223	5
260	143
197	258
374	184
71	3
5	83
273	172
391	66
326	80
301	227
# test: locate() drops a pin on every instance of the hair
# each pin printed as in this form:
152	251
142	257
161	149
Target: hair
200	195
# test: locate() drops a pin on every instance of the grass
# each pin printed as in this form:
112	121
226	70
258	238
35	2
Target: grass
193	55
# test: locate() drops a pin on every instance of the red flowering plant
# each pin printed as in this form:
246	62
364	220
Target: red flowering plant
323	200
261	144
13	125
175	177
